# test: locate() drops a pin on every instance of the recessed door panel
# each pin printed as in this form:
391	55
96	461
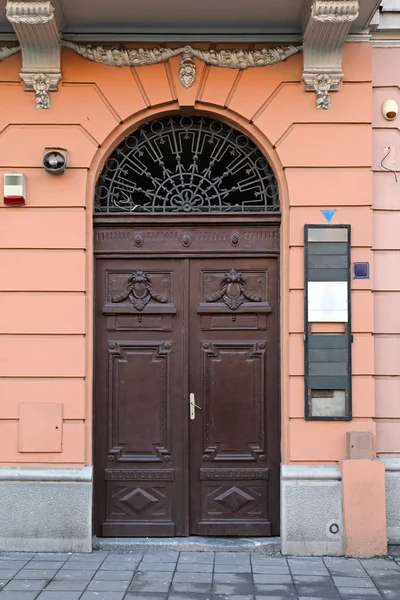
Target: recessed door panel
226	365
140	401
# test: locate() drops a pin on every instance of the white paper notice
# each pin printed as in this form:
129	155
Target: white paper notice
327	302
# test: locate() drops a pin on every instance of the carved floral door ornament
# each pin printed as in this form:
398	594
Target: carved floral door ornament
232	291
139	291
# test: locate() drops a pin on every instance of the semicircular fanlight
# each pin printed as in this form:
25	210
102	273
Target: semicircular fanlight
184	165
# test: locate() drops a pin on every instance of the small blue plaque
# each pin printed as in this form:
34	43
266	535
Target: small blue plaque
361	270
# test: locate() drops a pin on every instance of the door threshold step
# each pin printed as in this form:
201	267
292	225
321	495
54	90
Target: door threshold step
270	545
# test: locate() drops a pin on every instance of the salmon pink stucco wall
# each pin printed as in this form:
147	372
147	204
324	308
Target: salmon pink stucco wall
386	251
386	245
322	159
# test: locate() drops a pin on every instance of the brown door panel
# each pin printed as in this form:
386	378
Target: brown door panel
139	422
233	376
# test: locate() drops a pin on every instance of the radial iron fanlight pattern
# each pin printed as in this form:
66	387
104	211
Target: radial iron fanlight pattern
186	164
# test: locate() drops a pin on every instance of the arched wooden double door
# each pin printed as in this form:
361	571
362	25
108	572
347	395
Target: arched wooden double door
186	341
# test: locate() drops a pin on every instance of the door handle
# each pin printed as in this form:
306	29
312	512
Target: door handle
192	407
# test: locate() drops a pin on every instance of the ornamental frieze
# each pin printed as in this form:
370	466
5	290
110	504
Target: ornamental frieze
118	56
325	26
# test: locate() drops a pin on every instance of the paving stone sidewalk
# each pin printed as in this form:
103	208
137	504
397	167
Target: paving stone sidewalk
161	575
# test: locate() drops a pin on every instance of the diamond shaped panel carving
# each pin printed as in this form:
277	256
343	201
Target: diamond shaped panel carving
139	500
234	499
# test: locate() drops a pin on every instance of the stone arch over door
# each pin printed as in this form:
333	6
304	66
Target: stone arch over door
186	481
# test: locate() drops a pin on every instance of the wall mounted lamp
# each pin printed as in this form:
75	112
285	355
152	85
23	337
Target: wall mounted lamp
390	110
55	160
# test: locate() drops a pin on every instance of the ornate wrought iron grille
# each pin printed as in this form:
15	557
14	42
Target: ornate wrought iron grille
186	164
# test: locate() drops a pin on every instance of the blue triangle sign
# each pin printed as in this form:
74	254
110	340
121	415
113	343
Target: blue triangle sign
328	213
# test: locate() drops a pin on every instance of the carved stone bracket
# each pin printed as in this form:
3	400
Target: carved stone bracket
38	33
326	25
118	56
322	85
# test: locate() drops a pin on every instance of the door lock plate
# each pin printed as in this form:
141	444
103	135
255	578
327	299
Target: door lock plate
192	406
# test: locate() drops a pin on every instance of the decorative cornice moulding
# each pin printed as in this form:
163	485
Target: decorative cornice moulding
326	24
36	27
326	28
337	11
117	56
30	13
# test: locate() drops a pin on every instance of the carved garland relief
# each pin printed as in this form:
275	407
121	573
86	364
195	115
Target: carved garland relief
324	34
233	291
5	51
139	291
117	56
